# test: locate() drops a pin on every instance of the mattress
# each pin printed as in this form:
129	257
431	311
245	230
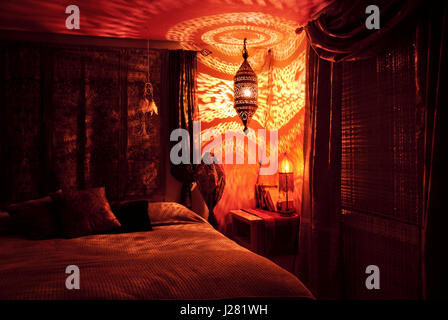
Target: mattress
182	258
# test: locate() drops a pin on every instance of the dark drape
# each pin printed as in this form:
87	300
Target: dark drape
340	34
70	118
380	173
211	181
432	79
319	257
183	111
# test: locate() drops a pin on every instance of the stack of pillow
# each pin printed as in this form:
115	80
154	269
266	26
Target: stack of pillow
71	214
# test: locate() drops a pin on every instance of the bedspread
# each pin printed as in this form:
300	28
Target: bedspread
184	259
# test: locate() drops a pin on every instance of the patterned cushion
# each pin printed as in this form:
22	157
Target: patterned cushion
211	181
84	212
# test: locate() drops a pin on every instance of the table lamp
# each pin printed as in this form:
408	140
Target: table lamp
286	185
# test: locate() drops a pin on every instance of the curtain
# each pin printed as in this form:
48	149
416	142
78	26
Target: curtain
329	241
432	77
211	181
340	34
183	111
380	173
70	118
318	262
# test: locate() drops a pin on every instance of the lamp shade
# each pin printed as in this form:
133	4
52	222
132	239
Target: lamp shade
245	90
285	176
286	182
285	165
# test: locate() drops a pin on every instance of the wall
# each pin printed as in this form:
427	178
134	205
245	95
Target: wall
281	85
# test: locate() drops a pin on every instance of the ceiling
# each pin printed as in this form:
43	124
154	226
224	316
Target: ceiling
141	19
216	25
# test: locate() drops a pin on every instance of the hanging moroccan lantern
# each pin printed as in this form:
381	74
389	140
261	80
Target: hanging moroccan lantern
245	90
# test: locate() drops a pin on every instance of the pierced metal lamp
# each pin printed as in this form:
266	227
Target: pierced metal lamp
245	90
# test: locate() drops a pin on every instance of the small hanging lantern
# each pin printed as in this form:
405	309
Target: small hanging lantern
245	90
147	102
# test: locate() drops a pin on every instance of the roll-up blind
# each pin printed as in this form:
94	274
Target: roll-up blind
379	173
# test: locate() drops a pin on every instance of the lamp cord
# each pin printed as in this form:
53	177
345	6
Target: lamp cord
245	53
147	52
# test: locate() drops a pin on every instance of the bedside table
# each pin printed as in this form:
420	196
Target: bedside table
266	233
246	230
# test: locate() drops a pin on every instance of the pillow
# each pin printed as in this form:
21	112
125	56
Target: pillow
133	216
35	219
84	212
165	213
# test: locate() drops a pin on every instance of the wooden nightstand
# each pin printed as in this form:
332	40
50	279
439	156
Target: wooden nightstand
246	230
266	233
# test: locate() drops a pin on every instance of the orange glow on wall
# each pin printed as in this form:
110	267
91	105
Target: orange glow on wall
285	91
277	55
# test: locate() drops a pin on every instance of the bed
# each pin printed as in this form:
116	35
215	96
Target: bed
183	257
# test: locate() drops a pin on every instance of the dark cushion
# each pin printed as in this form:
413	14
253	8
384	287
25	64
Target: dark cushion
133	216
84	212
5	223
35	219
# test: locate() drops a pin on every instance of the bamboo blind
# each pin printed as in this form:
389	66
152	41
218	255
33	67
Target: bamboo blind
379	147
380	195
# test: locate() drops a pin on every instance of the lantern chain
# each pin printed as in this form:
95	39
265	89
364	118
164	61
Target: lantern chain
245	53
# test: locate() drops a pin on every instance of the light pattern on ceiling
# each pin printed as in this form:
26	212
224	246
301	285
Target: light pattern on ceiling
223	34
141	19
